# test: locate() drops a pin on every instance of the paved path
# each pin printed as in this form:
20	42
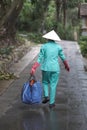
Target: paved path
70	112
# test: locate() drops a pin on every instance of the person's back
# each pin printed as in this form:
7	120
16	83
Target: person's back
48	56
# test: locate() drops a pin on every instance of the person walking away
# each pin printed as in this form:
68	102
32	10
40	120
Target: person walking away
48	60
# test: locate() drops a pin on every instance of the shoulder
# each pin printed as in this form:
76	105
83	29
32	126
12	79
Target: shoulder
44	45
42	48
58	46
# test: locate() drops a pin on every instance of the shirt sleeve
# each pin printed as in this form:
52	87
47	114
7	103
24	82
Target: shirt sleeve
61	54
41	55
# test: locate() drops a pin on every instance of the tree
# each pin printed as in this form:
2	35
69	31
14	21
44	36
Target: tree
64	12
39	12
61	9
33	15
9	13
58	4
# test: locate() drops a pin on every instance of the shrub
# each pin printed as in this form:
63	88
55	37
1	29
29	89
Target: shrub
83	45
66	33
83	38
6	50
36	37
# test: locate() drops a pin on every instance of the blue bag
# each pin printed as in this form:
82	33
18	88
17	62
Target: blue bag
31	93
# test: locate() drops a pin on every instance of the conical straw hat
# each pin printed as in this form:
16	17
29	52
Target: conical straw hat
52	35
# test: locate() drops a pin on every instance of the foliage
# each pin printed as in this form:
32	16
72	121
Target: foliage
6	75
25	16
40	15
66	33
83	45
37	18
32	15
73	16
50	19
36	37
83	38
20	39
6	50
73	3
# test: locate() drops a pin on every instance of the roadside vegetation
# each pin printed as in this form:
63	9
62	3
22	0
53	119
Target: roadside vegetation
83	45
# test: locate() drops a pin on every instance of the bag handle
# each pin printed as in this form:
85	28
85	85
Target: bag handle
32	80
32	77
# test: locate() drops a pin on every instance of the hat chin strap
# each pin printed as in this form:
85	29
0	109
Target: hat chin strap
51	40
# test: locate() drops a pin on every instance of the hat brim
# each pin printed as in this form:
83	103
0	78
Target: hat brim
52	35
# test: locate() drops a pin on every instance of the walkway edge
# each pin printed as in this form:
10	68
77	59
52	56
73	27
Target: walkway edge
17	68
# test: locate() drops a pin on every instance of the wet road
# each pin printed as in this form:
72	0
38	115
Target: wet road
70	112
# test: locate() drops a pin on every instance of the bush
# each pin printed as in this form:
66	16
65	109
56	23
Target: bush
36	37
83	45
83	38
5	50
67	33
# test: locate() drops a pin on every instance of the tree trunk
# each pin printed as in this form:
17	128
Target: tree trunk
64	13
58	4
58	7
7	24
46	4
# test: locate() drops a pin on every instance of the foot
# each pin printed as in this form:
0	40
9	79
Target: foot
46	99
52	105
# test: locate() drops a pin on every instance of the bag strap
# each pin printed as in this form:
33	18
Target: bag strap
32	77
32	80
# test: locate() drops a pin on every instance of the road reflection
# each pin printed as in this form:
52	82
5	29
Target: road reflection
40	119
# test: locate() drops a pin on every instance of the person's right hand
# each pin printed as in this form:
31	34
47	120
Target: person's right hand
34	67
32	72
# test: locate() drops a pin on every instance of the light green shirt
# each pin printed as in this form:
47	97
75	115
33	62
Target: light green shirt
48	56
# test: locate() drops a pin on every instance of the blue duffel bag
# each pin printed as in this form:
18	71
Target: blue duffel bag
31	92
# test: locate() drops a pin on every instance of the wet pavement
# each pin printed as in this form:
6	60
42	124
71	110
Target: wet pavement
70	112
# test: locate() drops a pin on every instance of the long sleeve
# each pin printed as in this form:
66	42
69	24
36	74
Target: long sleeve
61	54
41	55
